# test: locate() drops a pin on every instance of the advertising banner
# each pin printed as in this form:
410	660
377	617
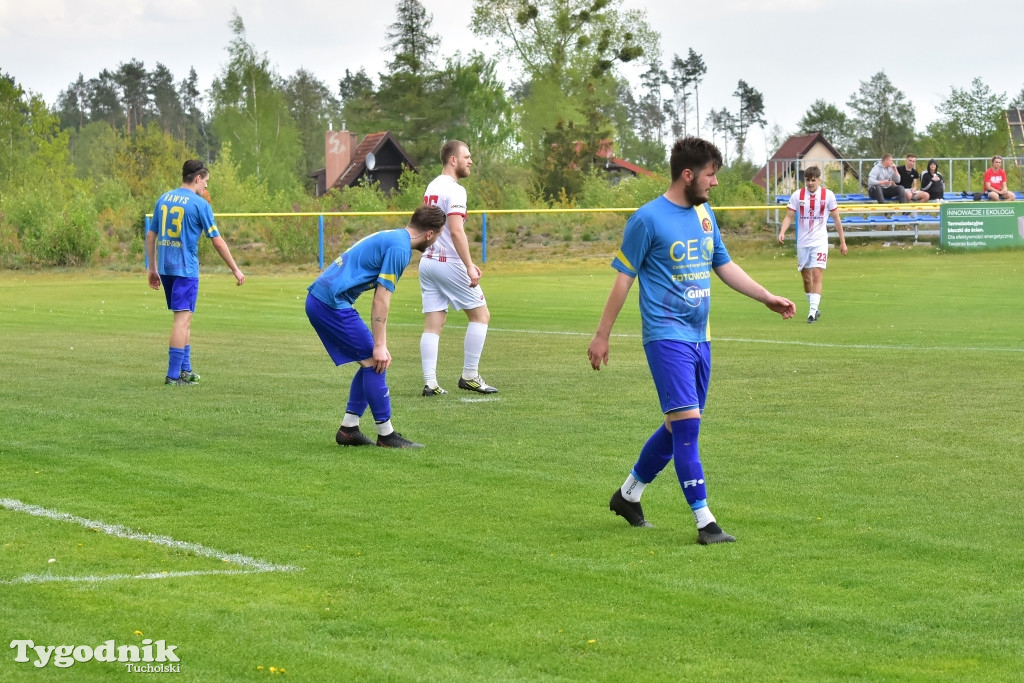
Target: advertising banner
981	225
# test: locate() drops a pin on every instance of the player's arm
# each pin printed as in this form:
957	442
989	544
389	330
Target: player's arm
734	276
839	230
222	248
457	227
790	214
379	328
597	352
153	275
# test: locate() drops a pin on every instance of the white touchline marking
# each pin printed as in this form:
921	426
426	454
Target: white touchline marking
786	342
478	400
49	578
252	565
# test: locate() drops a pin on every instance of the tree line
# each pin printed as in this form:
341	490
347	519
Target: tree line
77	177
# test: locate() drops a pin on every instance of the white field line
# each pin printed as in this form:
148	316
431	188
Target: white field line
251	565
479	400
738	340
50	578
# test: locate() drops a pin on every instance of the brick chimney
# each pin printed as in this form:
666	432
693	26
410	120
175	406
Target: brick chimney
338	148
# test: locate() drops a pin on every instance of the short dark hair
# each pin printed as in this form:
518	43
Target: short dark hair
996	157
192	168
428	217
693	153
449	149
812	172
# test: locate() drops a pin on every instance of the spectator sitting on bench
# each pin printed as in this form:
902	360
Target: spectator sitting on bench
884	182
931	181
995	182
908	180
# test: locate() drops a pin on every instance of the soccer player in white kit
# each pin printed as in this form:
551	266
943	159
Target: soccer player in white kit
814	203
448	276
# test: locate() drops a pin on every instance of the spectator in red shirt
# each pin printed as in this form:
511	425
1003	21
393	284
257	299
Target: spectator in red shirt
995	182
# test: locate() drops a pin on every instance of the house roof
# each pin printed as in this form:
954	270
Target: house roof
795	148
372	143
615	163
606	152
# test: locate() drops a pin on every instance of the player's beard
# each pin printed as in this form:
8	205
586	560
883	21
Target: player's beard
692	194
461	172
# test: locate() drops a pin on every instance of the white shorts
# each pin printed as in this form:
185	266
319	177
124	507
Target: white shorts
812	257
444	283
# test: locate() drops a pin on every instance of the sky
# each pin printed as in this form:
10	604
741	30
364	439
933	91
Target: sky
793	51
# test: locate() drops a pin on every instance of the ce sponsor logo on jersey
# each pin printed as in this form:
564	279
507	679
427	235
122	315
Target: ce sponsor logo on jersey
690	250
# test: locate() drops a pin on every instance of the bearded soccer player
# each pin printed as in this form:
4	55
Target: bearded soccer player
448	277
814	203
180	218
672	244
373	263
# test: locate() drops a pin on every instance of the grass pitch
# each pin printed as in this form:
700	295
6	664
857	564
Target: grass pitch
869	464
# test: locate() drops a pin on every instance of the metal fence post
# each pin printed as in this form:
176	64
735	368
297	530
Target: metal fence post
321	250
145	253
483	237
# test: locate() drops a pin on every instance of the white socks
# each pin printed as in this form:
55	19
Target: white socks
815	301
350	420
476	334
384	428
428	357
632	489
703	516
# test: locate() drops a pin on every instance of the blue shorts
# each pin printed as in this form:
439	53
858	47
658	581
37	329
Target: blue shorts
343	333
181	292
681	372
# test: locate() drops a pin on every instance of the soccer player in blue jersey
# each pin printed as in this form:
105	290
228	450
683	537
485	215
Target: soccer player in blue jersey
375	262
180	218
672	244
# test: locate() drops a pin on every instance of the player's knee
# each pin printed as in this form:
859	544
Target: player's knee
479	315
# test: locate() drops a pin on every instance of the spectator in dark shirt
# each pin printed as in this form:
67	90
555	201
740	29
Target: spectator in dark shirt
931	181
908	180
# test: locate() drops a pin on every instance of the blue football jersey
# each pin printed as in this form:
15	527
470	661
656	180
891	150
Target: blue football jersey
179	219
379	258
672	249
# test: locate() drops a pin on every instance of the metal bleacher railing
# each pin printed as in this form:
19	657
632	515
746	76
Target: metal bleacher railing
863	216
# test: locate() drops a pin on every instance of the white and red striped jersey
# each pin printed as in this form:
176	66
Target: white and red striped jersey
445	192
812	210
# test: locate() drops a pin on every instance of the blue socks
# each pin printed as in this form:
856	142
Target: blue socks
186	362
654	456
375	389
174	360
686	457
356	395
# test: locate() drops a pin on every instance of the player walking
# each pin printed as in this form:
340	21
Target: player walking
672	244
180	218
814	203
448	276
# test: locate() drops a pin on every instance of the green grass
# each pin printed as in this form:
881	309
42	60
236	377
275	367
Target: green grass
870	466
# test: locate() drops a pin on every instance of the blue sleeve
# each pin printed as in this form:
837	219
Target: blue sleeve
206	219
721	255
392	267
154	225
636	243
